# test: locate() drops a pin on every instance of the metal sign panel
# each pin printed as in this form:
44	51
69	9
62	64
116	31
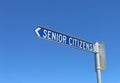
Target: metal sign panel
61	38
102	56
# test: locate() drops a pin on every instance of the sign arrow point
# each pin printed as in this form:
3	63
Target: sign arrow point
36	31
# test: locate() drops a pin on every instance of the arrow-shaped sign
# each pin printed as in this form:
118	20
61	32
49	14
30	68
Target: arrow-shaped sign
58	37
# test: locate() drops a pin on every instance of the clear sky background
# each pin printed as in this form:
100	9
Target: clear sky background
25	58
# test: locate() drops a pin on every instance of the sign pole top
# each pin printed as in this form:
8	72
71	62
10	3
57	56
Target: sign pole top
99	49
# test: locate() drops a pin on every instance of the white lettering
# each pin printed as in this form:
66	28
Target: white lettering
91	47
87	46
80	44
75	42
53	36
60	38
57	37
49	34
70	39
84	45
45	34
64	39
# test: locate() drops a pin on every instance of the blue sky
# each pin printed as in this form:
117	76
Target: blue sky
24	58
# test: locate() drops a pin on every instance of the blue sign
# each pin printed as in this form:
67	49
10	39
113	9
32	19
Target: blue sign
61	38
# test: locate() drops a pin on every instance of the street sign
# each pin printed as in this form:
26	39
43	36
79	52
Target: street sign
61	38
97	48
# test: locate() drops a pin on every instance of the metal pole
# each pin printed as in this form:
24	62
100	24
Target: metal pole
98	68
97	63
